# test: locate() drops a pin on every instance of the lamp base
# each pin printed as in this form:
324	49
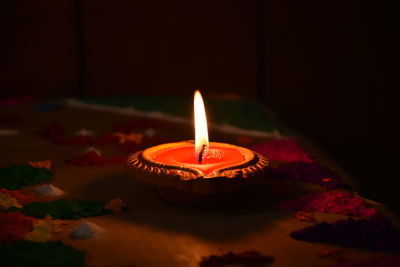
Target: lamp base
187	183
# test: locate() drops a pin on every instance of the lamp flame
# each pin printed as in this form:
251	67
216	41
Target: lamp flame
200	125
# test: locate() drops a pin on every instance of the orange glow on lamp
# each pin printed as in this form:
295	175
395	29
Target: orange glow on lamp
191	172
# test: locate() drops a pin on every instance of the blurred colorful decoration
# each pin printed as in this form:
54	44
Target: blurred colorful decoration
87	230
235	116
14	226
245	258
313	172
55	134
117	205
7	201
65	209
285	149
49	190
376	233
94	158
42	230
329	252
136	138
332	202
17	176
25	253
377	261
244	140
84	132
305	216
45	164
20	196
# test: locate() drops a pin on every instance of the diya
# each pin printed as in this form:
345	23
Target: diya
197	172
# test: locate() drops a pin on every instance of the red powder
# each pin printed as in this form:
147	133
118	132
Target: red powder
286	150
14	226
332	202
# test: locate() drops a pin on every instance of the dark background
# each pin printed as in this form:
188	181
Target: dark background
329	68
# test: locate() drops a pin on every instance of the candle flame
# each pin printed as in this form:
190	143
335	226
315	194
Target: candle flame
200	125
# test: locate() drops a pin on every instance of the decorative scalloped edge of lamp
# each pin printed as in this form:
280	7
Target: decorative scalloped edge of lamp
187	185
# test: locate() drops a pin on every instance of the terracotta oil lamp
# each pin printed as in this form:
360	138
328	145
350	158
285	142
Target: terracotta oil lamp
197	172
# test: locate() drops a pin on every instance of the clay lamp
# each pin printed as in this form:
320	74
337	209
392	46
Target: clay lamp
197	172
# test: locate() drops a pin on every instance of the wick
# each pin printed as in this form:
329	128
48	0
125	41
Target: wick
201	153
